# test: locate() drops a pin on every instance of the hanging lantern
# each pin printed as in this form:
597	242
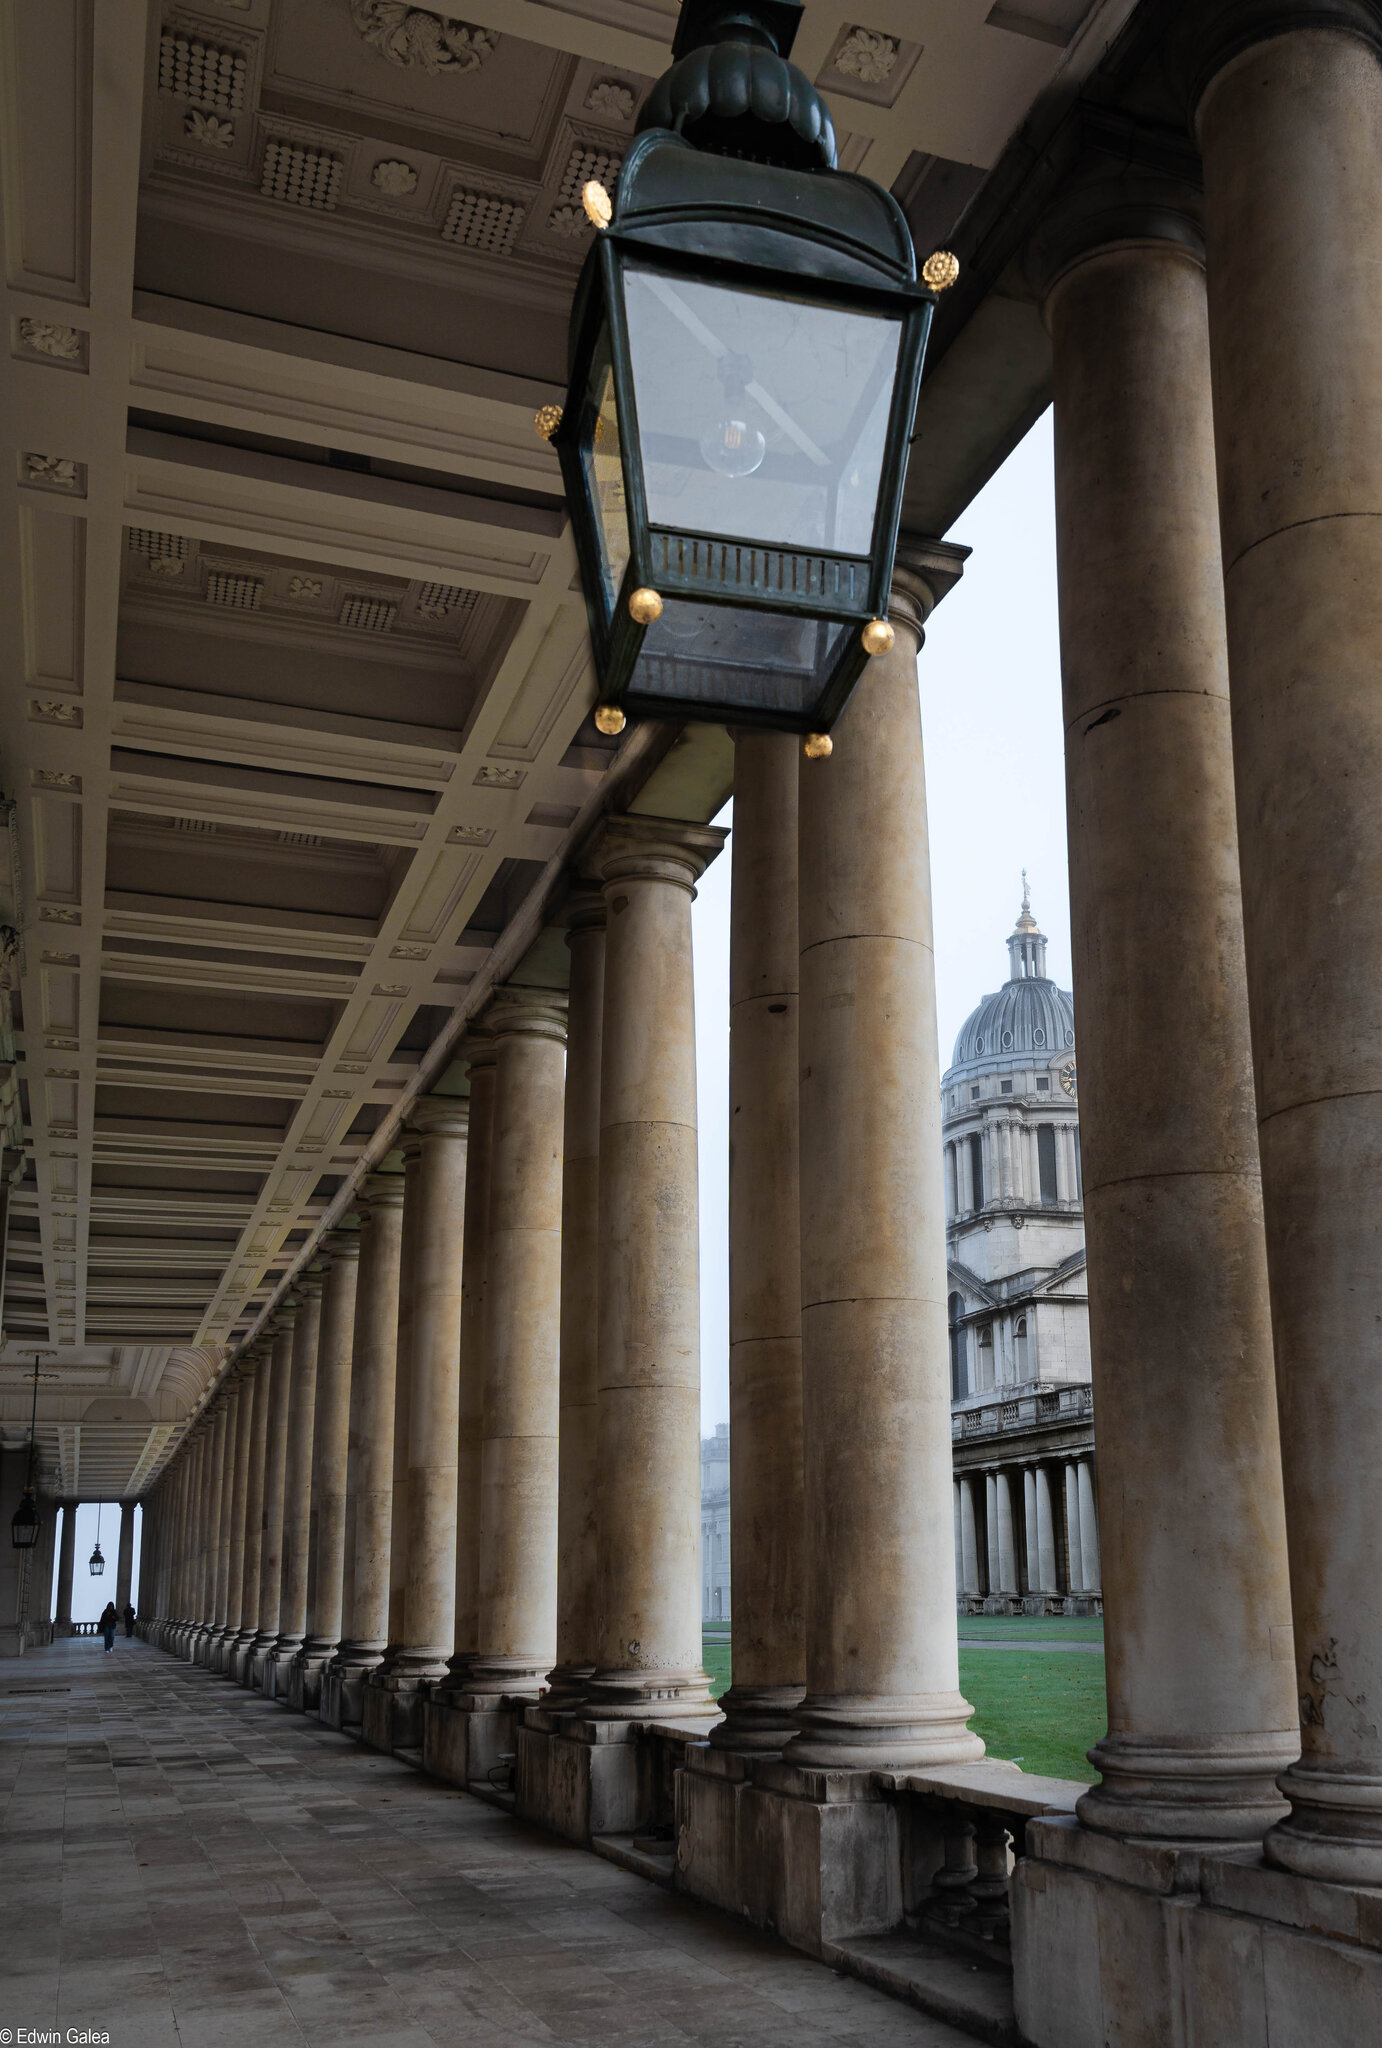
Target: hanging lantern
97	1563
746	348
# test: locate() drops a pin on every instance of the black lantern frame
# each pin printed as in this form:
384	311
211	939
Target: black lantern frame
96	1564
814	239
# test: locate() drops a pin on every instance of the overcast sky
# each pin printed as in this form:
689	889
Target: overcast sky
990	707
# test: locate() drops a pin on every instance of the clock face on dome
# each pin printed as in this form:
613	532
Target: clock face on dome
1067	1077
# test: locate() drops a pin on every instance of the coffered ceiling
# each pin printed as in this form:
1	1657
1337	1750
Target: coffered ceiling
297	730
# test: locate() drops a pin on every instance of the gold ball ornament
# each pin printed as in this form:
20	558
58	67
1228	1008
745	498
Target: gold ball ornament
645	607
940	270
598	205
818	746
546	420
609	718
878	637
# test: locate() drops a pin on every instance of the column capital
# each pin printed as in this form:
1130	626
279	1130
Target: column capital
637	849
440	1116
308	1284
1119	184
284	1318
517	1012
381	1191
586	909
1219	31
924	571
342	1243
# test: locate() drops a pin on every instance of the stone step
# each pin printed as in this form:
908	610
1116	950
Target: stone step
642	1862
975	1997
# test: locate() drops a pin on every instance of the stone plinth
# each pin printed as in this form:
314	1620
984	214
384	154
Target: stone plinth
391	1711
465	1738
586	1779
1144	1943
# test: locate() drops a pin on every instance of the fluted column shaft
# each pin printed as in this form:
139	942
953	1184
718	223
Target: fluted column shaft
331	1446
1291	132
766	1505
438	1197
578	1449
518	1459
364	1631
297	1469
881	1654
275	1469
1200	1710
649	1652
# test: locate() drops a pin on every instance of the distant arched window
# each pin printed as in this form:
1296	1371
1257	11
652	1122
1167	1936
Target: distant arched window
1021	1353
959	1350
985	1355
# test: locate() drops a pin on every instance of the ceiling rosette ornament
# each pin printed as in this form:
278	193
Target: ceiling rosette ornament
407	35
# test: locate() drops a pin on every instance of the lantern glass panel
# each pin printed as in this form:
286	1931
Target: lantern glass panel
760	418
604	473
764	661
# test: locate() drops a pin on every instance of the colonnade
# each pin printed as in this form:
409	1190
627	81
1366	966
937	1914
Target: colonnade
1007	1167
1028	1531
67	1559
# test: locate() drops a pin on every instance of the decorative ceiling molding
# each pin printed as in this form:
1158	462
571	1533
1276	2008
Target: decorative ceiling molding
407	35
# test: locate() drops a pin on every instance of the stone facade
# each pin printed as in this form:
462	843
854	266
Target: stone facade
715	1525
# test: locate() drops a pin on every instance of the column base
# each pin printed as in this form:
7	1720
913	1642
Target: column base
1334	1828
650	1696
261	1649
567	1685
238	1656
61	1630
1147	1942
220	1649
1216	1790
861	1732
759	1719
305	1675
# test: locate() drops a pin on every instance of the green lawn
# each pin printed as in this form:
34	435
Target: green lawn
1034	1628
1038	1708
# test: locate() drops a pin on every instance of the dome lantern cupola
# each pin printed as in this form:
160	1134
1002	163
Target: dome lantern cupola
1027	944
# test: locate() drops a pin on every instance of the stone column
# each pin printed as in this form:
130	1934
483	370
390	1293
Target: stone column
275	1470
1029	1507
969	1536
578	1434
882	1664
1200	1710
433	1232
214	1496
1089	1528
1291	131
231	1398
241	1655
649	1410
959	1547
1007	1548
1046	1533
330	1457
1073	1553
767	1512
239	1498
372	1374
995	1572
411	1149
297	1483
124	1564
67	1554
518	1468
471	1400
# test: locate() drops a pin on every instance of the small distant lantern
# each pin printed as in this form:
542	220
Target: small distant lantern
746	349
97	1563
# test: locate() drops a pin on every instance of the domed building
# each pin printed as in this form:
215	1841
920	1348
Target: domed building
1026	1532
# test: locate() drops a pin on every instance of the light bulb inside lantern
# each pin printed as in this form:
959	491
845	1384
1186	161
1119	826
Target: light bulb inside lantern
733	448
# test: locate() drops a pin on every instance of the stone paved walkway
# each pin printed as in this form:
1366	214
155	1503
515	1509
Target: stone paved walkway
186	1863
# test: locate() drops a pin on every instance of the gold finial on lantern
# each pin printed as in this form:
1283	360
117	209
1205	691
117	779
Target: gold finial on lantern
878	637
818	746
599	208
645	606
609	719
546	420
940	270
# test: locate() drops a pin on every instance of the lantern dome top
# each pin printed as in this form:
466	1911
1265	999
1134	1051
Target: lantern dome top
740	99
